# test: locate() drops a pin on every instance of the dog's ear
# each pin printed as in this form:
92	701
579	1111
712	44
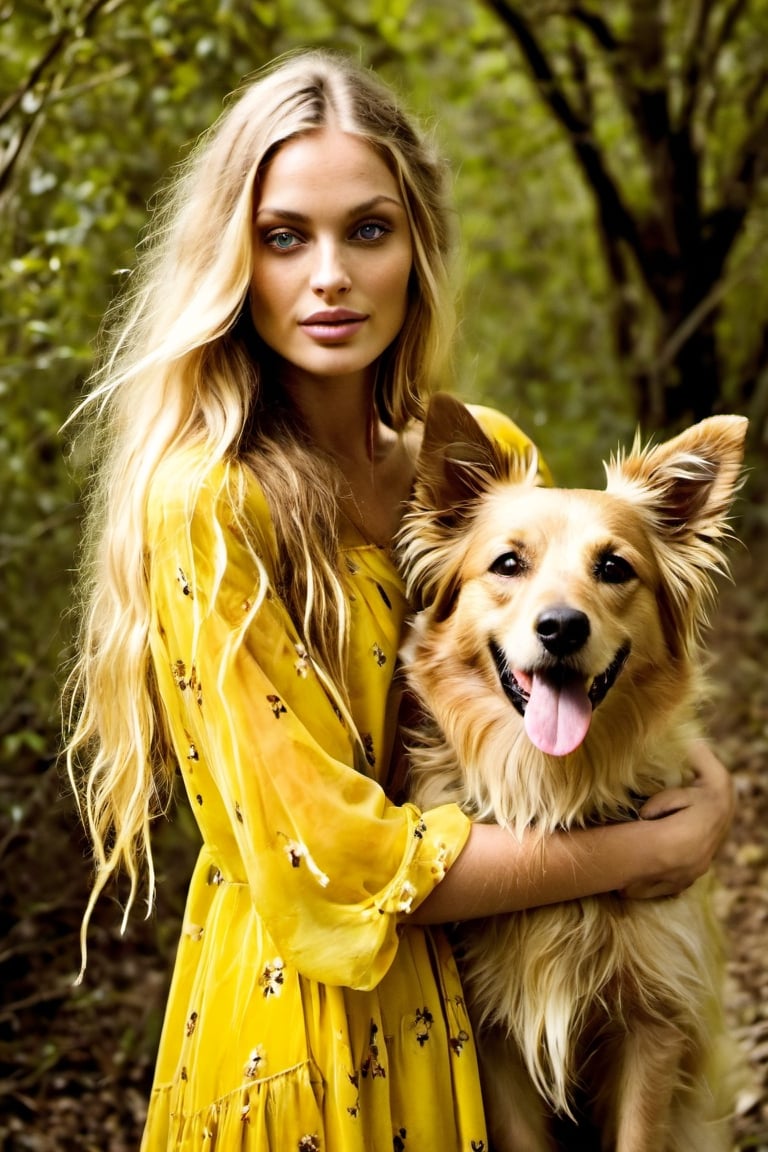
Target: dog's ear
684	489
458	461
690	481
457	464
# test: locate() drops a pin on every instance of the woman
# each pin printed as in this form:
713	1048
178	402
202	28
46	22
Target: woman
259	419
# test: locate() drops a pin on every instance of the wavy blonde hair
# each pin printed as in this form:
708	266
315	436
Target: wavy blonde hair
181	366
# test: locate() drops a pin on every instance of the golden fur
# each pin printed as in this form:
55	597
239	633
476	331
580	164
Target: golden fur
610	1002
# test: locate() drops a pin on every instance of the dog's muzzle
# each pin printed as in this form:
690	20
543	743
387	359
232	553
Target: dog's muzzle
598	690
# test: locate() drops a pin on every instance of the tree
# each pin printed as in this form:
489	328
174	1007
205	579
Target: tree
665	107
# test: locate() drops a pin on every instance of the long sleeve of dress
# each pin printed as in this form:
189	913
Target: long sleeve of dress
269	762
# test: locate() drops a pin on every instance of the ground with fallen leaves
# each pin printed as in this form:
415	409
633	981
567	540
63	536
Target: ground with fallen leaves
75	1063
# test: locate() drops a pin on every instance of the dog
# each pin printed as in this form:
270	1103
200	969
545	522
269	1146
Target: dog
555	654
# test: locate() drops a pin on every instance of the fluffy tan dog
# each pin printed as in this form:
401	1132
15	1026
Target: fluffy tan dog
555	656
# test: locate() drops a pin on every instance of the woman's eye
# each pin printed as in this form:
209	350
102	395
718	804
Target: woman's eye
508	564
612	569
371	230
283	241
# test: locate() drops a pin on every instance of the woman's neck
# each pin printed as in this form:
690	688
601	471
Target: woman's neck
341	420
376	462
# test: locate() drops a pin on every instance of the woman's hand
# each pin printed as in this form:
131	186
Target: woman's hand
659	855
690	824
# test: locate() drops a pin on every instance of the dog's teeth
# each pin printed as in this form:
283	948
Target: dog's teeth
524	680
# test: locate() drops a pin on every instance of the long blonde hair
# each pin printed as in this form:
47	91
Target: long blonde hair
181	366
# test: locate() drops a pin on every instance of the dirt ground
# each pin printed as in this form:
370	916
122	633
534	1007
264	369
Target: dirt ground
75	1063
739	726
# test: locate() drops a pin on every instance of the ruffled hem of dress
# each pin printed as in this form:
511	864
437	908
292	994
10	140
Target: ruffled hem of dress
279	1113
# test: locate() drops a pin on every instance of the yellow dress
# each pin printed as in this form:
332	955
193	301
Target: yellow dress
305	1014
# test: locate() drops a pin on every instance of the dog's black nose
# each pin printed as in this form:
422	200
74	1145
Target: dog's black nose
562	630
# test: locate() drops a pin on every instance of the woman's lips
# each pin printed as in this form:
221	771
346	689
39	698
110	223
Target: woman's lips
333	326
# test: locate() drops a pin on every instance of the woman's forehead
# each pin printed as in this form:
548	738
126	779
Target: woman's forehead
327	163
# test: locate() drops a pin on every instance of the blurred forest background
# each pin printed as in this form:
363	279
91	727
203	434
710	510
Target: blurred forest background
611	189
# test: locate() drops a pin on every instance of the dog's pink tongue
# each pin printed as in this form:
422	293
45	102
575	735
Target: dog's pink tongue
557	715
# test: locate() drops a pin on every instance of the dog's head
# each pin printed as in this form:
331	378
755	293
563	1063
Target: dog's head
545	596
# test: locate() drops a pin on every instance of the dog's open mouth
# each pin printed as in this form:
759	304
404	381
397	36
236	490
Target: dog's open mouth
556	703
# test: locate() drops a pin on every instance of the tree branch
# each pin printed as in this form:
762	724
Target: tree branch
595	24
720	38
21	145
695	318
580	74
615	219
723	225
54	50
694	63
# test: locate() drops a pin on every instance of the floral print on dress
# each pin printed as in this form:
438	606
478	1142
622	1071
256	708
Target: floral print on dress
456	1043
440	862
184	583
301	664
405	901
372	1066
379	655
255	1062
458	1034
184	681
287	838
370	754
273	978
296	852
354	1109
277	706
422	1024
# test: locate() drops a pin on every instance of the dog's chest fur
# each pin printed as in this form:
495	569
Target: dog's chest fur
555	657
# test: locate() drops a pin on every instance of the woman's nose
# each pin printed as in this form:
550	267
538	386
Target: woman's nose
330	274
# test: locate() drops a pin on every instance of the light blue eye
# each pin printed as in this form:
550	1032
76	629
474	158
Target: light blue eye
371	231
282	240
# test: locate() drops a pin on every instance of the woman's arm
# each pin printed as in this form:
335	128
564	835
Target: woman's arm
660	855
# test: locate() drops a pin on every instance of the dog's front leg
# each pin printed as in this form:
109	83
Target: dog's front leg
515	1113
648	1078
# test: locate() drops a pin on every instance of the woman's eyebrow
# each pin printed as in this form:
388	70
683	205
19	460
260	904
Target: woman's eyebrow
374	202
301	217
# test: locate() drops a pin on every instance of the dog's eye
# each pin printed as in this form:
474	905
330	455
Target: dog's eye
510	564
612	569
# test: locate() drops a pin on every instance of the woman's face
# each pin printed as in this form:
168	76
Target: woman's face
332	257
